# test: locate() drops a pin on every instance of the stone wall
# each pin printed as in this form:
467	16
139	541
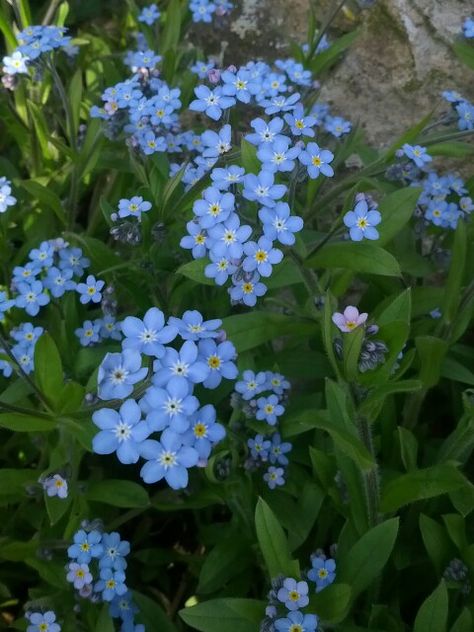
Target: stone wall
392	75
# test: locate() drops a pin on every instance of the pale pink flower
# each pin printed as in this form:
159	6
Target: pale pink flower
349	320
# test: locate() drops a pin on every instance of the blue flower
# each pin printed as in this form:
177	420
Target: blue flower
261	256
148	335
239	84
278	450
300	124
227	239
219	358
276	382
262	188
297	622
337	126
280	103
110	328
259	447
150	143
31	297
120	432
143	59
43	622
90	290
215	207
279	224
180	365
42	257
204	432
123	607
86	546
361	222
27	333
24	355
59	281
252	384
115	551
192	326
278	156
170	406
79	575
269	409
293	594
149	15
111	583
201	68
118	373
216	144
88	333
465	112
224	178
15	63
274	476
55	486
247	288
317	160
212	102
73	258
220	269
6	199
196	241
265	132
202	10
25	273
133	207
167	459
5	304
323	572
418	154
468	28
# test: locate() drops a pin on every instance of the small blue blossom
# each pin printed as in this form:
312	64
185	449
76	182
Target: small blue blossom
5	304
224	178
265	132
280	103
216	144
317	160
276	382
192	326
300	124
6	199
170	406
58	282
215	207
220	268
468	28
74	259
227	239
43	622
89	333
279	449
274	477
278	156
115	551
133	207
323	572
110	328
86	547
337	126
201	68
90	290
15	63
118	373
196	240
361	222
168	459
247	289
31	297
79	575
279	224
55	485
251	384
120	431
42	257
149	15
259	447
465	111
293	594
148	335
262	188
180	365
111	583
211	102
204	432
24	355
239	84
418	154
25	273
297	622
261	256
219	358
202	10
269	409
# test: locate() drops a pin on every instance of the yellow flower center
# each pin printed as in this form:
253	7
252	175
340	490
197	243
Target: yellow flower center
294	595
322	573
200	430
299	124
316	160
214	361
261	256
214	209
247	288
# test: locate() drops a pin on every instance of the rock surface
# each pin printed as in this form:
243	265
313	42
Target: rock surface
393	74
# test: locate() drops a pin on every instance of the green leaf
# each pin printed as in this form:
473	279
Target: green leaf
452	289
433	614
152	615
324	60
104	621
13	482
464	52
56	507
26	423
397	309
409	136
194	270
396	209
48	368
332	603
454	370
234	615
366	559
118	493
408	448
435	541
352	347
249	158
223	562
464	622
356	257
75	98
431	352
247	331
420	485
453	149
172	30
273	543
46	196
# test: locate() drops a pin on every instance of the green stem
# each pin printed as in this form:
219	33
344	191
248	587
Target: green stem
370	477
